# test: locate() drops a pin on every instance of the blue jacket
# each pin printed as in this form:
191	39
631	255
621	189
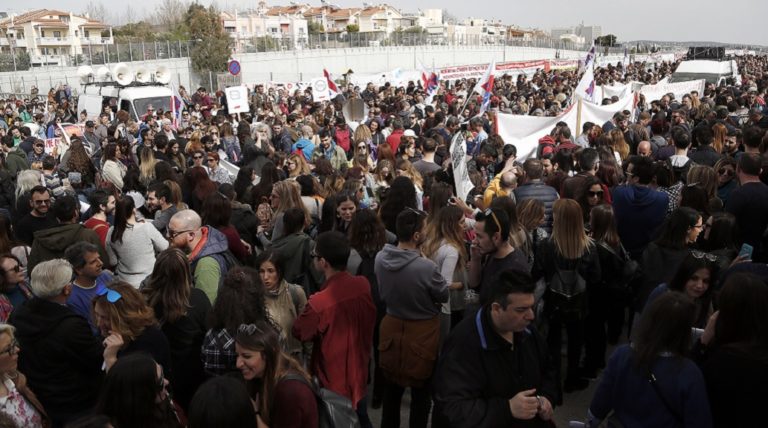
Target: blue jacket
628	392
639	211
306	146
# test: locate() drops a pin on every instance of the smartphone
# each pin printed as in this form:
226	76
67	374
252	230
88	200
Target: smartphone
746	251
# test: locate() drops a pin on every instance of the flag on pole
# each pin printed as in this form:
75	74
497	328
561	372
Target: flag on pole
589	59
331	84
586	87
484	87
625	63
430	82
176	102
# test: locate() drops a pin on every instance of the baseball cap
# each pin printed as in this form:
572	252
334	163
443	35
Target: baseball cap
409	133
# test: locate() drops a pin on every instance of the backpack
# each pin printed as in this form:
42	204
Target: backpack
334	410
680	172
567	289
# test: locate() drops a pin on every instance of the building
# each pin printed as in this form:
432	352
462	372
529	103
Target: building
53	37
284	25
383	19
588	32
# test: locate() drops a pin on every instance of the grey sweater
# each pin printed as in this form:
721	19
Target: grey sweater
134	255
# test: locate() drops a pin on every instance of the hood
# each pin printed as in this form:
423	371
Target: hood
303	143
394	259
216	243
547	140
60	237
642	196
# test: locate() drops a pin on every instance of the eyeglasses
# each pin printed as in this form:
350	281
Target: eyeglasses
489	213
12	349
42	202
112	295
702	255
38	146
172	235
197	157
16	269
248	329
725	171
592	194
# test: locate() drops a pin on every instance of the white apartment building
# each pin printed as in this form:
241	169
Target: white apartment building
52	37
277	23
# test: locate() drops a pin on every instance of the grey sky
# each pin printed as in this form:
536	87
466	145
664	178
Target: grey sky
734	21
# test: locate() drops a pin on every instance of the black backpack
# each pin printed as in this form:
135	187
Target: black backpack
334	410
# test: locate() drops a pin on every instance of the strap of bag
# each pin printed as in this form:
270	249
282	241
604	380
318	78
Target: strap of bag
652	381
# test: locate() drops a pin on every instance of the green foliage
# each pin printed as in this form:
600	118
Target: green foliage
415	29
265	44
23	61
314	27
607	40
353	28
211	44
141	30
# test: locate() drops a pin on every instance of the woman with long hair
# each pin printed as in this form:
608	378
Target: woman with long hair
726	178
132	245
719	238
243	184
285	194
338	212
719	137
735	360
229	142
128	325
651	383
695	277
197	187
113	170
21	408
518	237
363	140
194	144
401	195
176	156
590	196
177	198
607	303
14	290
240	300
618	144
217	211
284	301
569	264
260	192
446	246
706	177
297	165
79	161
135	394
222	402
147	163
182	311
662	257
277	383
406	169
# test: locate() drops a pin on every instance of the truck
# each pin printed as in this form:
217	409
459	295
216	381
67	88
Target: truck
714	72
135	91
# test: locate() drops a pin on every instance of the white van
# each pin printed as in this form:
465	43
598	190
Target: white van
135	91
712	71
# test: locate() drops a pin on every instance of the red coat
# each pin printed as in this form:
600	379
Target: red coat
340	320
394	139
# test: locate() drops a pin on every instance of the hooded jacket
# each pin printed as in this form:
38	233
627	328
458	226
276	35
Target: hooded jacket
209	262
306	147
51	243
410	285
60	356
639	211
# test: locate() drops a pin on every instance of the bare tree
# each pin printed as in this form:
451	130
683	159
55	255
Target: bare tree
170	12
97	11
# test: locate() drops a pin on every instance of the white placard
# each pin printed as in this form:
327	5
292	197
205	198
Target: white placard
320	91
460	171
237	99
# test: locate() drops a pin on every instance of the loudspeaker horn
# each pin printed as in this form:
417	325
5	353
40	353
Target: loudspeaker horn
85	73
143	75
122	74
163	75
103	74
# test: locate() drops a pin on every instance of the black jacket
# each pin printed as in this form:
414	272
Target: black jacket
60	356
479	372
705	155
547	195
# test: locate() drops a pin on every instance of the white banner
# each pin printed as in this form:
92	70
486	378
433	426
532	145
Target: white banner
655	92
525	131
460	171
237	99
320	91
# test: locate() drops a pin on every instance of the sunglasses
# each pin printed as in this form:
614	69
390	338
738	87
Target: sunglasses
595	194
725	171
489	213
11	349
112	295
172	235
197	157
702	255
42	202
248	329
16	268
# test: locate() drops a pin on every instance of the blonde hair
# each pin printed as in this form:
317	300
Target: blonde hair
362	134
290	197
410	172
704	175
26	180
568	234
618	143
302	167
719	135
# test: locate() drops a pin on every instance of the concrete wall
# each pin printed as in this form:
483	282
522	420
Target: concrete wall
295	66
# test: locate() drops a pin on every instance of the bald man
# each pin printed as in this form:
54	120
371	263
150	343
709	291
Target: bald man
207	250
644	149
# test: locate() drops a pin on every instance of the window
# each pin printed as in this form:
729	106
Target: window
57	34
86	33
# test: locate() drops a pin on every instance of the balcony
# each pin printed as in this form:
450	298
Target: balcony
53	41
18	43
97	41
4	41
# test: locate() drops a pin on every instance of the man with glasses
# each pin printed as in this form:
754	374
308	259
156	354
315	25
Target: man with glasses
38	218
413	289
340	320
207	250
491	253
59	353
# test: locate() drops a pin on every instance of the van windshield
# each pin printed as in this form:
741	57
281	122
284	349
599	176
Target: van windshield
156	103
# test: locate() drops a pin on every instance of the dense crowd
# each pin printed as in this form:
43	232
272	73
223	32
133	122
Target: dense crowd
220	270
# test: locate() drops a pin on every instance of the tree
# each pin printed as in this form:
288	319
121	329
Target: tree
415	29
212	45
23	61
607	40
314	27
97	11
353	28
170	13
265	43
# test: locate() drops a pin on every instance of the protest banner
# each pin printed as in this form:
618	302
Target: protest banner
320	91
460	171
237	99
655	92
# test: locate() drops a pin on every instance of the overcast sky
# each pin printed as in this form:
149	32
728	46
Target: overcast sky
733	21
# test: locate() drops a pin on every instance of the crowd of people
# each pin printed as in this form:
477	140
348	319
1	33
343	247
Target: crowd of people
146	283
